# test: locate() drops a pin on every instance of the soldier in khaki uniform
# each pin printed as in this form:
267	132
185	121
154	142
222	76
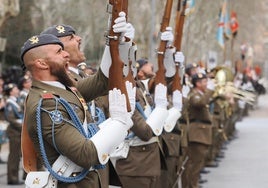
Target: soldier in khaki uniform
14	115
63	135
200	128
140	166
71	41
171	136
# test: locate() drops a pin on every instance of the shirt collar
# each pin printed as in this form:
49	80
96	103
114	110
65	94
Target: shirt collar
55	83
75	70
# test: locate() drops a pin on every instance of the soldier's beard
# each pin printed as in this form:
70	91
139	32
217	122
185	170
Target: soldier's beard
62	76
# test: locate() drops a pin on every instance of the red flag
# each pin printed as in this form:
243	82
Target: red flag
234	23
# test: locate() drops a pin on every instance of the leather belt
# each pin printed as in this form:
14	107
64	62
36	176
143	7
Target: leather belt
200	121
183	121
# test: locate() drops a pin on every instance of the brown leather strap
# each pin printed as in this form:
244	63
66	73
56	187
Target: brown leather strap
29	155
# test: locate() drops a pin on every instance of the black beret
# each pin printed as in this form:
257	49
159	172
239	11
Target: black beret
38	40
140	63
59	30
198	76
23	80
8	87
190	66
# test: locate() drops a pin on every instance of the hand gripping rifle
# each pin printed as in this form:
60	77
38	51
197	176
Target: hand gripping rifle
116	78
176	85
160	74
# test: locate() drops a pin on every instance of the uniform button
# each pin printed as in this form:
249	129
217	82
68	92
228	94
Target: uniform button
143	148
172	138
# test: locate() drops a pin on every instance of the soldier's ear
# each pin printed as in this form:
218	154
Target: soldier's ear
41	64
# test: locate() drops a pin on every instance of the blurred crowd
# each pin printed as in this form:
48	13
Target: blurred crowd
14	88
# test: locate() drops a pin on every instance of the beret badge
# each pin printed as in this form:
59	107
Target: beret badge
34	40
60	29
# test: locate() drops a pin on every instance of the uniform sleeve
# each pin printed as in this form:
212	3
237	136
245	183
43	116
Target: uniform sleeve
12	118
140	127
93	86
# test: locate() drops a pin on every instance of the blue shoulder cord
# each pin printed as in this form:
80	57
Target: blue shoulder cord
78	125
139	108
99	114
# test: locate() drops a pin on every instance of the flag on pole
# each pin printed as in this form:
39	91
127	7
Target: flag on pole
190	7
227	24
220	31
234	23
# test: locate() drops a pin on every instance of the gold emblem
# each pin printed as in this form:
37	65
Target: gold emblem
83	103
36	181
200	75
60	29
34	40
10	86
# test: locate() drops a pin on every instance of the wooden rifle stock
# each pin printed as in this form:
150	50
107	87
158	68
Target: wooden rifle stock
116	77
160	74
129	77
176	85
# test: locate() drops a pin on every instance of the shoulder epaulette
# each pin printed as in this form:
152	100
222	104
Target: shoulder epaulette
47	96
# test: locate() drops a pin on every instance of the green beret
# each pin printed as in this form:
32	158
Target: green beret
38	40
59	30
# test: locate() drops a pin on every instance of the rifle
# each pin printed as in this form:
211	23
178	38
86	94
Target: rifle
160	74
129	76
116	77
176	85
180	172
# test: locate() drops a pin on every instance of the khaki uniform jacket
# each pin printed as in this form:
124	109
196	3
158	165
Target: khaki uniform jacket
14	128
142	160
67	138
200	128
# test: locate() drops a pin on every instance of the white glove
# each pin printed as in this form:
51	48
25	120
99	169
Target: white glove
160	96
120	24
185	90
179	57
211	85
169	62
167	36
106	58
130	33
177	100
131	91
118	106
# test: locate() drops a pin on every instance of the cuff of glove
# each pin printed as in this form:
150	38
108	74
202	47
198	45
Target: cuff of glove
156	120
173	116
105	142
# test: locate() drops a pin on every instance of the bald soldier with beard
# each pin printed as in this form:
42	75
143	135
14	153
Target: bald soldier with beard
57	118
